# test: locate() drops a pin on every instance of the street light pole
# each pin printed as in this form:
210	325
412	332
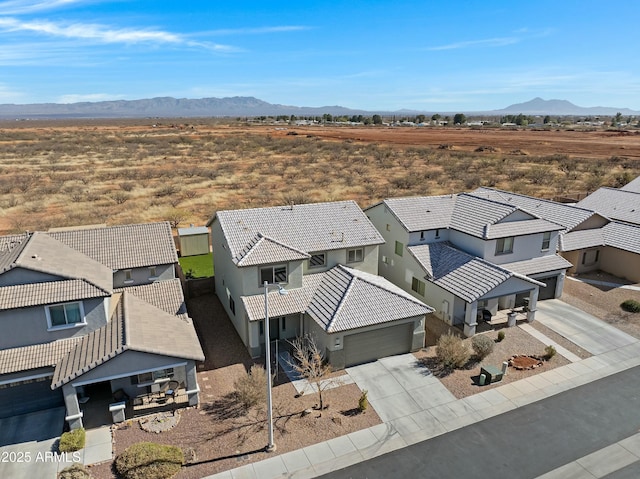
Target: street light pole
270	445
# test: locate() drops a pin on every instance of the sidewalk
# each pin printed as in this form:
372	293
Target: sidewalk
397	393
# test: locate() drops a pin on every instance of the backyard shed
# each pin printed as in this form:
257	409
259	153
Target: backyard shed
193	240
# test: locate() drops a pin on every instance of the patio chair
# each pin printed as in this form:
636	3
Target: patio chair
172	388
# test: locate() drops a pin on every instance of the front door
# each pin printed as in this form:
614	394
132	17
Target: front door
274	327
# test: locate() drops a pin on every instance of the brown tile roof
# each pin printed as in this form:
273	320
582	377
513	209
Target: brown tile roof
124	246
165	295
265	250
24	295
32	357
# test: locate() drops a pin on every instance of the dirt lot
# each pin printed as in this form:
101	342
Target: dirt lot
64	173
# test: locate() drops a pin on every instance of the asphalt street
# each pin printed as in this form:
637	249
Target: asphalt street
526	442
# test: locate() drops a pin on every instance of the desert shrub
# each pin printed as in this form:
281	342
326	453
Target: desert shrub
363	402
501	336
549	352
77	471
72	441
251	387
148	460
631	305
482	346
452	352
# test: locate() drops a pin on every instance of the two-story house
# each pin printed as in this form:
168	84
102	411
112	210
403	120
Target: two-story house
92	311
464	254
326	257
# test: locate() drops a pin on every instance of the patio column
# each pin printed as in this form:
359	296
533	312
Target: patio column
470	319
533	305
192	383
74	414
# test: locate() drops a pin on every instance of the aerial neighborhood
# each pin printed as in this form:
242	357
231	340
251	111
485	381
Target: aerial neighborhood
96	321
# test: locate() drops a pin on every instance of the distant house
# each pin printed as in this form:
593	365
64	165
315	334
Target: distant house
92	311
326	256
464	254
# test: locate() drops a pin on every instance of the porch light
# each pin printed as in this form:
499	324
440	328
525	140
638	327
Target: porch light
270	445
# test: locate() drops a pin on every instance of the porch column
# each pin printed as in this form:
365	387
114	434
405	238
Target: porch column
192	383
470	319
533	305
74	414
560	284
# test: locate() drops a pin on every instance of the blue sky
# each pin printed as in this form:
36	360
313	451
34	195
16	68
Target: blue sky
374	55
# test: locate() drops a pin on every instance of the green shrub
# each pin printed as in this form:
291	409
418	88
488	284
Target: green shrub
251	387
482	346
72	441
148	460
76	471
363	402
549	352
452	352
500	336
631	305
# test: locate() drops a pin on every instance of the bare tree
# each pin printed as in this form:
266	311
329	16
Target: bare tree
309	362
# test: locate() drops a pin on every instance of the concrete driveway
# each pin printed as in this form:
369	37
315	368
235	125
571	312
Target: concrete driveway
584	330
25	442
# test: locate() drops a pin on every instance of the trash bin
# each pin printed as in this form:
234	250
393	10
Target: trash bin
511	319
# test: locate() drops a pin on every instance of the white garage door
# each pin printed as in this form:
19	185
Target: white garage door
371	345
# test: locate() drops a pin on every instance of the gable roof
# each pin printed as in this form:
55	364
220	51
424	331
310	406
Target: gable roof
135	326
264	250
303	228
421	213
462	274
123	246
50	292
41	253
616	235
621	205
165	295
543	264
566	215
348	299
633	185
473	215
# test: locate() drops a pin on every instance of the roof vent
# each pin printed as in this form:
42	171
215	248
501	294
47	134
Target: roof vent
36	257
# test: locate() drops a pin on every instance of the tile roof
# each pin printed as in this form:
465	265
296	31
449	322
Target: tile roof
306	228
40	252
472	215
136	326
544	264
423	212
34	294
581	239
466	276
568	216
295	301
36	356
622	236
124	246
633	185
621	205
264	250
165	295
348	299
520	228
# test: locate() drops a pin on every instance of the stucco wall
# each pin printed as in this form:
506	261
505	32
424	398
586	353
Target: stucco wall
143	276
622	264
24	276
29	325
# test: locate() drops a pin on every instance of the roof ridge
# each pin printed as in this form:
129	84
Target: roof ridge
534	198
342	299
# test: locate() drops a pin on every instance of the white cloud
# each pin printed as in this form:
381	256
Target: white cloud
488	42
257	30
76	98
15	7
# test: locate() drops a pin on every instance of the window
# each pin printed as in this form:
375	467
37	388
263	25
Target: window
283	322
317	260
590	257
67	314
418	286
128	276
232	305
399	247
154	376
422	235
273	274
437	233
388	227
355	255
504	245
152	272
261	328
546	240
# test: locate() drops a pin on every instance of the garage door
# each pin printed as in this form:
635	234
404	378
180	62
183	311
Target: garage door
23	398
371	345
549	291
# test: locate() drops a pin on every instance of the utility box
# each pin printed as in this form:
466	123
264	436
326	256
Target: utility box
193	240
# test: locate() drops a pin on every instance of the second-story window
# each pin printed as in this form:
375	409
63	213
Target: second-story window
418	286
546	241
399	248
504	245
355	255
317	260
67	314
273	274
128	276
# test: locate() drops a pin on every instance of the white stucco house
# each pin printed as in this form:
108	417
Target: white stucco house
463	254
92	312
326	256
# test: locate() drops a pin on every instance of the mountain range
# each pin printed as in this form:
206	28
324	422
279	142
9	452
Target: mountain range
169	107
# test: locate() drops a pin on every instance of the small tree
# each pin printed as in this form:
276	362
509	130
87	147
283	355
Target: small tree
309	362
363	402
482	346
452	352
251	387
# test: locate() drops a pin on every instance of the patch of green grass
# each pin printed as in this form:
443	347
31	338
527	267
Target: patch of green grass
201	266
